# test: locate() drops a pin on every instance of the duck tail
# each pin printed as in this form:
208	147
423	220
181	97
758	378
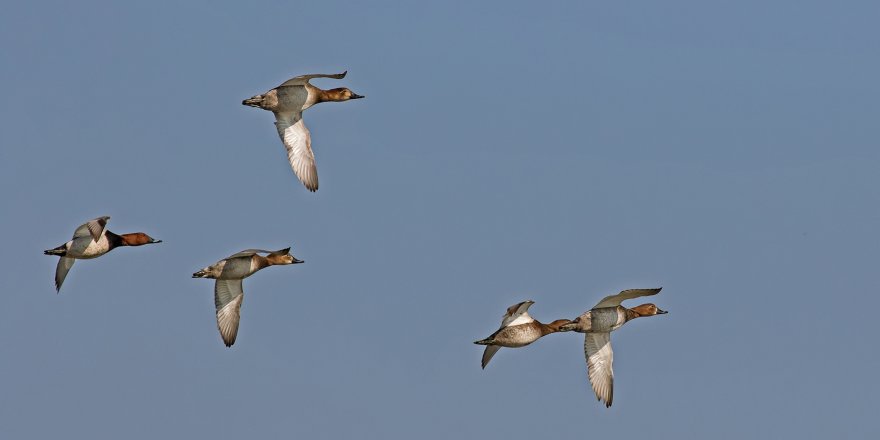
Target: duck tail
487	341
254	101
59	251
201	274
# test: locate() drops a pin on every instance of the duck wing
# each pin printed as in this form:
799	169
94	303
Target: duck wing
284	251
94	227
615	300
227	299
516	314
597	349
251	252
488	353
64	265
248	253
517	311
298	142
304	79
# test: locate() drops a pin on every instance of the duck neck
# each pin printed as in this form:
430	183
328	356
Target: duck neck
631	314
116	240
546	329
262	262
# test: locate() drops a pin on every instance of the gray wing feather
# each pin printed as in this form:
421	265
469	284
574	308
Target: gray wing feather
228	296
304	79
488	353
298	142
615	300
94	227
64	265
284	251
600	357
249	252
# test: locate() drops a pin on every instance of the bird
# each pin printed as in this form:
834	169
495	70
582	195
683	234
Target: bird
518	329
288	101
91	240
597	324
229	273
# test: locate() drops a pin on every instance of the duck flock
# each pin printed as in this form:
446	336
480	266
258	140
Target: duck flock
287	102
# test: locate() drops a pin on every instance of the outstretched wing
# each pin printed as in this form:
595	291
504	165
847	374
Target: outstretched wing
64	265
597	349
227	299
298	142
304	79
516	311
249	252
488	353
284	251
615	300
94	227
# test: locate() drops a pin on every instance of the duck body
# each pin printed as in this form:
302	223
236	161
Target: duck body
518	329
234	268
288	102
605	319
286	99
597	324
84	248
228	291
516	336
92	240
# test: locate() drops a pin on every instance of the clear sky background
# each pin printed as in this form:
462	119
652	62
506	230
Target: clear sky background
560	152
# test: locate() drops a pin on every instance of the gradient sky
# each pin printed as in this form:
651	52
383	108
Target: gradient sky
554	151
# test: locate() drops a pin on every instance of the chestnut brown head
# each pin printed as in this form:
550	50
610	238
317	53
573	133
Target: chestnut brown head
138	239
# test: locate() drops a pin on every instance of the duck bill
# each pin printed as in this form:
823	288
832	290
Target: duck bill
356	96
571	326
662	312
295	260
153	240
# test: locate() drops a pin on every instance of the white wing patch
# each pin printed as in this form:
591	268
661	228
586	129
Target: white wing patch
514	312
524	318
597	349
298	142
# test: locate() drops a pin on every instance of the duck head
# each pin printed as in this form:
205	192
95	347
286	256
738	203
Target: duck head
138	239
557	324
648	310
282	257
340	94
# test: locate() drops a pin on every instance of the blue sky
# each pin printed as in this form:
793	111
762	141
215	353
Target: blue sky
726	151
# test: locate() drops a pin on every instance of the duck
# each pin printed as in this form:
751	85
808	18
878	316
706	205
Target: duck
288	102
597	324
229	273
518	329
91	240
